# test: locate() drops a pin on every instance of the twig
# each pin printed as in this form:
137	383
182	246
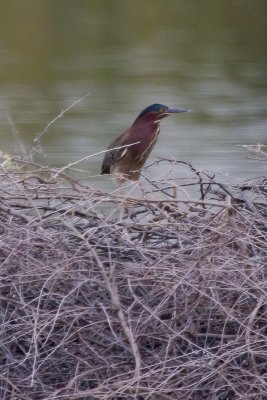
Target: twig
114	295
61	170
16	134
60	115
159	201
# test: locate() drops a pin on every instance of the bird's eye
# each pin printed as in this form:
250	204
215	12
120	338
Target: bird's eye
162	110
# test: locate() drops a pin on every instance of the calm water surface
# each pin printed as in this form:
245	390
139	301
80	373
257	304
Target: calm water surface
207	56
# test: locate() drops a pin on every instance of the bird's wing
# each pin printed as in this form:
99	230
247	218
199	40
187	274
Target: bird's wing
115	152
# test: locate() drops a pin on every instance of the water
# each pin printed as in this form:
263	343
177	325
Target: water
207	56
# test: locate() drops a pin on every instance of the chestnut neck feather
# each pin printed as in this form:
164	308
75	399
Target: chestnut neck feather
146	126
149	118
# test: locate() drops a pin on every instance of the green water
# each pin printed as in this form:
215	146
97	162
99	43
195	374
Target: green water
209	56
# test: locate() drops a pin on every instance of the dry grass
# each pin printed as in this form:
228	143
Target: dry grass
165	302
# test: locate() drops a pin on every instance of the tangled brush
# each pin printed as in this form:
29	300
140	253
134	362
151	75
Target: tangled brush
108	296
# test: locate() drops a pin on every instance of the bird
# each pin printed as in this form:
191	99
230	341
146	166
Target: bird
128	152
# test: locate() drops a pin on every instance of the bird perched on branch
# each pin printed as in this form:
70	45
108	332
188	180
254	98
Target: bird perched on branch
128	152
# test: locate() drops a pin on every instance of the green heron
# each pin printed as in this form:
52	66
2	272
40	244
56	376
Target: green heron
128	152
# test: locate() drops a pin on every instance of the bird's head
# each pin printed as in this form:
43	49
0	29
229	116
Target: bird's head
156	112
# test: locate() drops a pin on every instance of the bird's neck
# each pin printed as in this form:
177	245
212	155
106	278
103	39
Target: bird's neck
148	128
148	121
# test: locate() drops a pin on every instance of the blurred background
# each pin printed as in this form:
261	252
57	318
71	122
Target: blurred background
204	55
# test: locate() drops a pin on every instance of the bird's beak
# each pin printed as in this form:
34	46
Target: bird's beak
176	110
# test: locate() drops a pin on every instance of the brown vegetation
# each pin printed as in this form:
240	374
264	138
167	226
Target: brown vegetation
164	301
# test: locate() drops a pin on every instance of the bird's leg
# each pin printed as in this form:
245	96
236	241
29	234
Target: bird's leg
142	189
124	210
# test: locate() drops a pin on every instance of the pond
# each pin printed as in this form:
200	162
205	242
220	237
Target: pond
208	56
